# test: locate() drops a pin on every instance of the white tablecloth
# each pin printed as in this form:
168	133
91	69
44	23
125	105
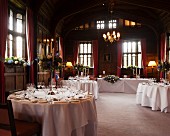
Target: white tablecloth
156	96
87	85
60	119
125	85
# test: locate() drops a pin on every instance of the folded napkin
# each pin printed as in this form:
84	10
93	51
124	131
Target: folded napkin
33	100
73	100
18	92
56	102
24	100
42	101
19	97
12	96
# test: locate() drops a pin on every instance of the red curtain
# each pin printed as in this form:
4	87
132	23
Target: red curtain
163	50
75	52
30	42
163	47
95	56
119	57
61	47
143	46
3	37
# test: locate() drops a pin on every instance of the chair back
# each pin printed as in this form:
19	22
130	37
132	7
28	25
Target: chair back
7	122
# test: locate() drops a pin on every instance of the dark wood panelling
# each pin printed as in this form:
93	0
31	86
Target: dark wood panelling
15	78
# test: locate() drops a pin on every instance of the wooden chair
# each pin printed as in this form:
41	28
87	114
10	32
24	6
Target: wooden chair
12	127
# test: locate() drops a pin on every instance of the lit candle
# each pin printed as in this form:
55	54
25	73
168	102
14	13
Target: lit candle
103	72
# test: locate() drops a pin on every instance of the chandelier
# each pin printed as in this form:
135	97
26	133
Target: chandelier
111	36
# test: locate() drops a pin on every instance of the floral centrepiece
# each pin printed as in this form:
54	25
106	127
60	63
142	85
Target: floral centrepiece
132	67
50	63
111	78
78	67
15	61
163	66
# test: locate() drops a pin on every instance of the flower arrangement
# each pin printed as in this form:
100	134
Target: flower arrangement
15	61
50	63
131	67
111	78
163	66
78	67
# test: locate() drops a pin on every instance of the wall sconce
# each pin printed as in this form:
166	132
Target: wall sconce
152	64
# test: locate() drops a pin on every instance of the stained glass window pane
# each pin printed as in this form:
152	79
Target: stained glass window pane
133	59
11	20
129	47
125	61
10	45
125	47
133	46
139	60
89	48
19	23
129	59
139	46
81	48
19	46
85	48
85	60
102	26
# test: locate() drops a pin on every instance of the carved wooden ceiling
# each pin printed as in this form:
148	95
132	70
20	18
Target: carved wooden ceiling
64	15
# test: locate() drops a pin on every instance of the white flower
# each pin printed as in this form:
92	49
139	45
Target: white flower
24	64
16	62
15	58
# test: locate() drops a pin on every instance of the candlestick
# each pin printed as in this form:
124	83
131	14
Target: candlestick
81	73
139	71
53	53
85	71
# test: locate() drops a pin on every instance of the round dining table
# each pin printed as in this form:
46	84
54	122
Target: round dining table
58	118
154	95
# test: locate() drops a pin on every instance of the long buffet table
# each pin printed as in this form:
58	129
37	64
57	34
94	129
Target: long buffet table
124	85
90	86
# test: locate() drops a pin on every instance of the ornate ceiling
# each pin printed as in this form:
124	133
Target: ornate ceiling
64	15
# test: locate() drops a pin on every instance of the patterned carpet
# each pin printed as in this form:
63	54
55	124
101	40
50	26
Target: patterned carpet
118	115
